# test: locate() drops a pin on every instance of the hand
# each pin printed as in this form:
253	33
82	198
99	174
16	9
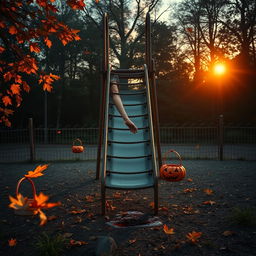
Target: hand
133	128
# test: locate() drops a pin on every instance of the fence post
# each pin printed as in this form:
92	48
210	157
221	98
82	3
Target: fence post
220	137
31	140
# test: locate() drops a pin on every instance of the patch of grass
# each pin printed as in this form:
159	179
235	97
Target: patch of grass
243	216
50	246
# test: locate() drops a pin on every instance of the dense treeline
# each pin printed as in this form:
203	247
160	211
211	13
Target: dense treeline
186	45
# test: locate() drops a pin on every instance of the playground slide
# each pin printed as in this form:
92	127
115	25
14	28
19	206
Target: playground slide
130	158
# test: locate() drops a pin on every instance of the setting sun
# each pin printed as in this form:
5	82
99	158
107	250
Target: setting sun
219	69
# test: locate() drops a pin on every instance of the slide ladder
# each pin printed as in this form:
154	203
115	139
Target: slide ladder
129	160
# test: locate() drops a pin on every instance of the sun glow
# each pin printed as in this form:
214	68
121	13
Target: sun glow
219	69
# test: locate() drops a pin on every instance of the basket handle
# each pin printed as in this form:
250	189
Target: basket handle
169	151
81	143
31	182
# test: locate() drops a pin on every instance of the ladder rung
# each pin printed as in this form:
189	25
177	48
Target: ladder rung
126	142
127	129
131	116
138	83
130	94
117	71
128	157
139	172
129	105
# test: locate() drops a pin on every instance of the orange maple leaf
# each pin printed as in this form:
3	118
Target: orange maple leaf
33	47
19	203
2	49
7	100
194	236
168	231
76	4
210	202
12	242
37	172
73	242
15	88
48	42
13	30
208	191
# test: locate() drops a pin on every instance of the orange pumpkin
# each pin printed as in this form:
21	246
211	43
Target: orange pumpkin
77	148
172	172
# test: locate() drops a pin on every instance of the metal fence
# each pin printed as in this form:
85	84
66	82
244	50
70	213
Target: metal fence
191	142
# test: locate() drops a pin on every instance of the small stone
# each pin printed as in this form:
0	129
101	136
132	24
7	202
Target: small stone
106	246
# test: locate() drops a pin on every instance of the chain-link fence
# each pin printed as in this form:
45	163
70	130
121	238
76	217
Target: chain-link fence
191	142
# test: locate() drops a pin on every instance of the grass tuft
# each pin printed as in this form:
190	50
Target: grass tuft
243	216
50	246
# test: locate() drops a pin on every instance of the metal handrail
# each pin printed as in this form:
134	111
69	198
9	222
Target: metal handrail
105	149
151	127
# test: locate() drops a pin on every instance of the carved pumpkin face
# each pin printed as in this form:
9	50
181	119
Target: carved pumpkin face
77	149
172	172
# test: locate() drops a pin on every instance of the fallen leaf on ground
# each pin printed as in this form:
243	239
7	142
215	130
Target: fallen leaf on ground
189	180
194	236
210	202
168	231
152	204
132	241
89	198
189	190
12	242
77	211
208	191
228	233
73	242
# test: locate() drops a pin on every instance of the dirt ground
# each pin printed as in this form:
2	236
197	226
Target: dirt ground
226	217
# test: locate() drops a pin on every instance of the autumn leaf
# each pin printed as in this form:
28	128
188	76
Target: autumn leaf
194	236
77	211
228	233
208	191
168	231
37	172
15	88
76	4
189	180
189	190
7	100
152	204
117	195
12	242
209	202
19	203
73	242
89	198
13	30
43	217
2	49
132	241
109	205
48	42
33	47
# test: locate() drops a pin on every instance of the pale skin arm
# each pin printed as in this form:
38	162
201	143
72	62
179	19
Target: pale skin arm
119	105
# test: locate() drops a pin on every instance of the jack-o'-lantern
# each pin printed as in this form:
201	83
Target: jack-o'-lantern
77	146
172	172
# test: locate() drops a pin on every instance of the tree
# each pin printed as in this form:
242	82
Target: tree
125	17
23	25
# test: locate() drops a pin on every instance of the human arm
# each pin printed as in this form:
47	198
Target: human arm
119	105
